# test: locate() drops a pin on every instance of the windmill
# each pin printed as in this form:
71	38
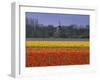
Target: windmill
57	32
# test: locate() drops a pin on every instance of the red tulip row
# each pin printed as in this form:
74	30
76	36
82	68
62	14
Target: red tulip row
56	56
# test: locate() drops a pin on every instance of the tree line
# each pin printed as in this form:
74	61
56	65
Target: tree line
36	30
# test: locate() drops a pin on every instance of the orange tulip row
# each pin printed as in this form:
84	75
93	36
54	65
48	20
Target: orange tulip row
56	56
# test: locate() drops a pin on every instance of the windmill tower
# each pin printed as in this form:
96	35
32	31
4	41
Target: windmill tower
59	26
57	32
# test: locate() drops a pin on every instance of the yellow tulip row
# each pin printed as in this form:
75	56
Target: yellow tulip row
57	43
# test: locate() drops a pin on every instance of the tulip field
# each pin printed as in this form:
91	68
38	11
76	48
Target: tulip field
57	39
54	53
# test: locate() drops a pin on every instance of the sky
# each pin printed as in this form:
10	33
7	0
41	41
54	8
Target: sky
55	18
